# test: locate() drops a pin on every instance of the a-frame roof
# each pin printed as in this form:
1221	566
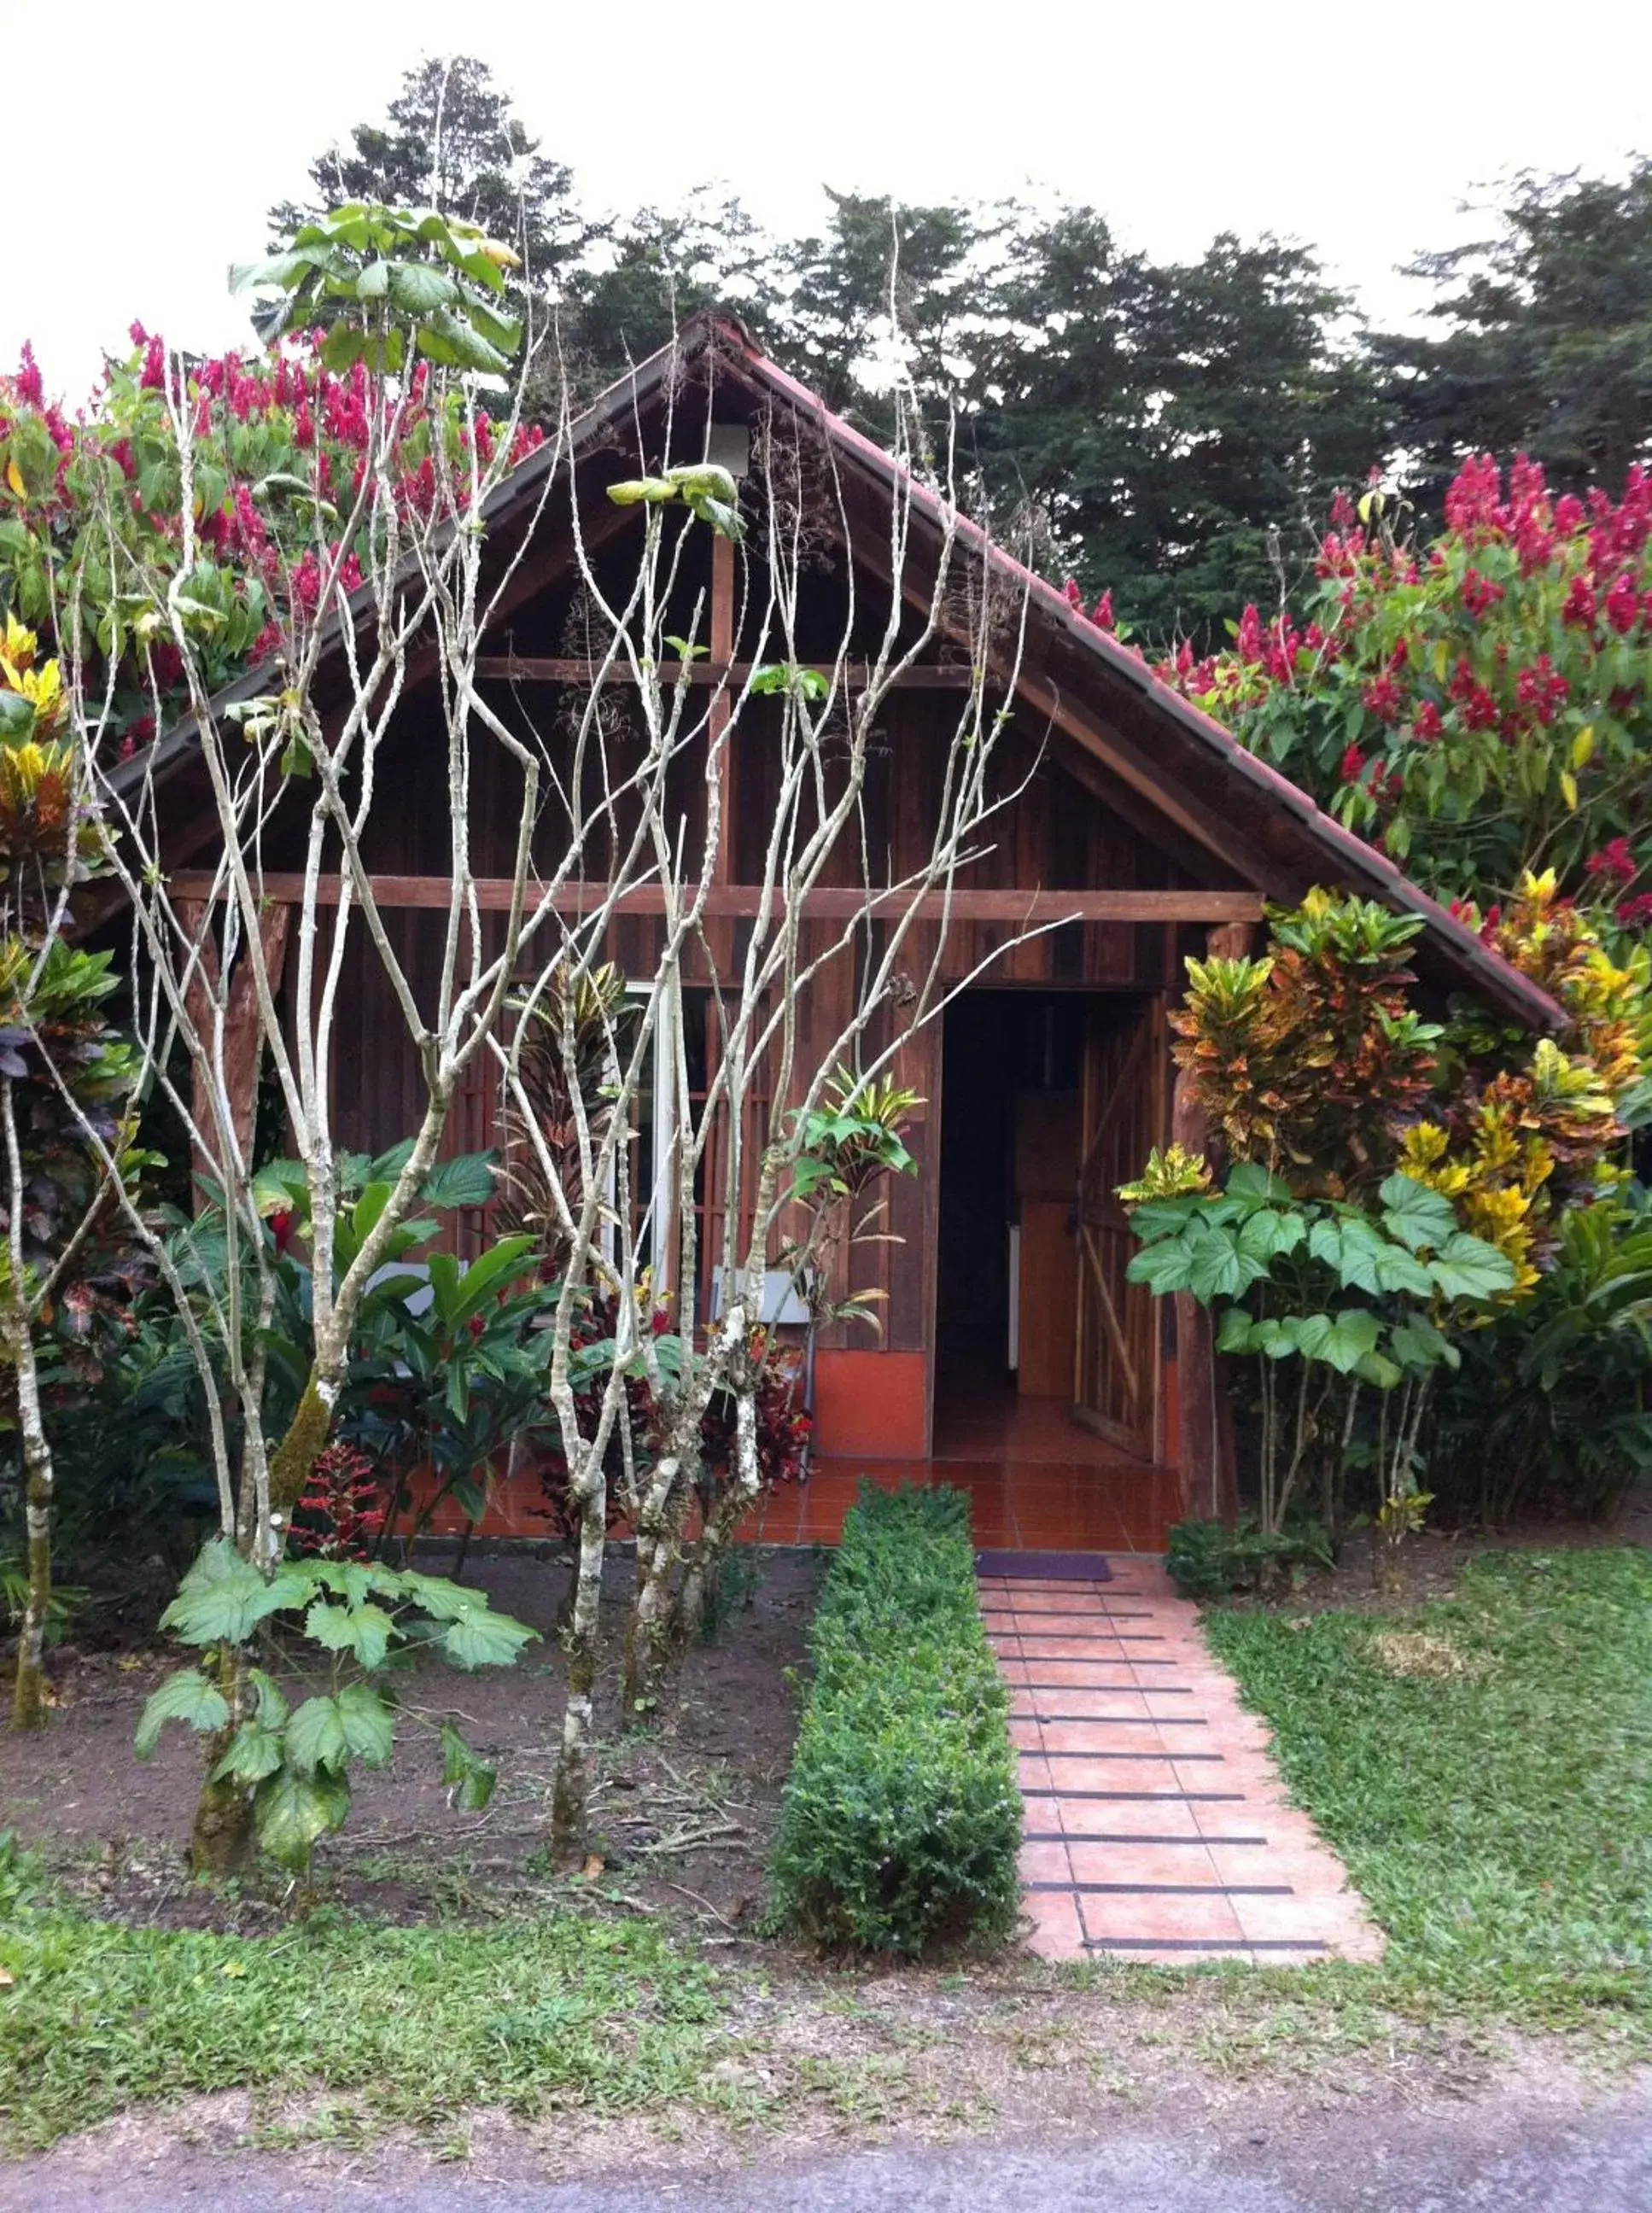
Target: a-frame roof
1176	761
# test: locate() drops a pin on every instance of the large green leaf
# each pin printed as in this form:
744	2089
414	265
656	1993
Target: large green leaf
1217	1267
485	1277
316	1737
1154	1218
368	1724
363	1629
1417	1343
1416	1215
1467	1267
253	1753
1163	1267
469	1778
418	288
1269	1233
186	1697
1238	1332
272	1707
292	1811
1249	1180
223	1597
485	1639
465	1180
1368	1261
1352	1335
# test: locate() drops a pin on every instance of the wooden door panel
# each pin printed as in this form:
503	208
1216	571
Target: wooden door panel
1116	1380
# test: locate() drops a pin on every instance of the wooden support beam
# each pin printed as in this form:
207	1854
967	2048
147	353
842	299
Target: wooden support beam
1210	1482
826	903
535	668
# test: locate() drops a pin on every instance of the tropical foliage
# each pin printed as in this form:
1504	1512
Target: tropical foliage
1393	1185
1477	704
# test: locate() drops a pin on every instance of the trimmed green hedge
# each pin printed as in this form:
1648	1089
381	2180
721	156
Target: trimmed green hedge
901	1819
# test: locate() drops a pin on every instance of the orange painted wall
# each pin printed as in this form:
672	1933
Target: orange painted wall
870	1402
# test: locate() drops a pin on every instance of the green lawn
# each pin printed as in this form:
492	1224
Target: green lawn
415	2024
1497	1815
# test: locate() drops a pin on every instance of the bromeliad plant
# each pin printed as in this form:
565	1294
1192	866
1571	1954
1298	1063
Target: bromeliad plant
363	1622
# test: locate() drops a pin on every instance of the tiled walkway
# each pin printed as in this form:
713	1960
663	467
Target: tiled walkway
1157	1828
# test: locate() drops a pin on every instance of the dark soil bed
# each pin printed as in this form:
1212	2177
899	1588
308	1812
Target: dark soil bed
1431	1563
684	1805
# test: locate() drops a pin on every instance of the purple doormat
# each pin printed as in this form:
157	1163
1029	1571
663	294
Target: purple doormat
1046	1567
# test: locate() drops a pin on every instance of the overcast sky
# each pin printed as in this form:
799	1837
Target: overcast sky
142	150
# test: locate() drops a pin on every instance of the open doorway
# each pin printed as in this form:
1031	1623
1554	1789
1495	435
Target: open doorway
1041	1353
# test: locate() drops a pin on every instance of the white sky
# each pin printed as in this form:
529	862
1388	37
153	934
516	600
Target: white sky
141	164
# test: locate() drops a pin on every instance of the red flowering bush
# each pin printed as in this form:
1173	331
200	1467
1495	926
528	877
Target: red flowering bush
1476	705
277	445
783	1429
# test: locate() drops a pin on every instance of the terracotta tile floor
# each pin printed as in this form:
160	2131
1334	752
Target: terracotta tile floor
1157	1826
1042	1505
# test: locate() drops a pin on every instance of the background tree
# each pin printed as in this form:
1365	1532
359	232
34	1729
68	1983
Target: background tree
1546	348
451	140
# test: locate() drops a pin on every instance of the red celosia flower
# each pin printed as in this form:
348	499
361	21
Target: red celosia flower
1579	610
1353	761
1478	593
1426	723
1383	698
1634	914
1103	616
1614	861
27	380
1622	603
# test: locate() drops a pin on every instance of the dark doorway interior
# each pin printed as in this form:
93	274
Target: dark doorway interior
1009	1156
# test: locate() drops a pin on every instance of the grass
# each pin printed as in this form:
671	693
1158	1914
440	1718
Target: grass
1483	1766
418	2024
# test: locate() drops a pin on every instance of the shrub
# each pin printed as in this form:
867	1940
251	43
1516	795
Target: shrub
901	1819
1208	1559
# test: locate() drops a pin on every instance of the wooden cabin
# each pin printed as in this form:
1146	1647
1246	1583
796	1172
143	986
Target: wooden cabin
1013	1355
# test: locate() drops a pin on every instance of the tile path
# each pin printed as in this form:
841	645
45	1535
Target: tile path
1156	1825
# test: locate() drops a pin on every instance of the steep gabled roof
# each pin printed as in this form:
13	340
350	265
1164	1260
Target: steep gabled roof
1250	817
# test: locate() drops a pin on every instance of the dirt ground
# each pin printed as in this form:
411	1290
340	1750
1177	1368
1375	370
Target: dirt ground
683	1811
1431	1562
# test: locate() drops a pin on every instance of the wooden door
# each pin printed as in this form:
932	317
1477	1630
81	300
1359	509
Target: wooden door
1117	1380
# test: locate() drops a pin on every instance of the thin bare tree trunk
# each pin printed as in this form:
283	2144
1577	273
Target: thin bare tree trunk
29	1699
571	1800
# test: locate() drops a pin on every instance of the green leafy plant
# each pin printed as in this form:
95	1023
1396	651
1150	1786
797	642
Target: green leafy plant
390	282
1352	1295
1211	1559
1553	1402
707	491
365	1619
901	1819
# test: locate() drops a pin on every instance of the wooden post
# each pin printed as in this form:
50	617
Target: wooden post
723	652
243	1040
1209	1487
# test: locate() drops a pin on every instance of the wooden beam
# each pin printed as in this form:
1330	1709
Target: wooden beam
826	903
535	668
1132	762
